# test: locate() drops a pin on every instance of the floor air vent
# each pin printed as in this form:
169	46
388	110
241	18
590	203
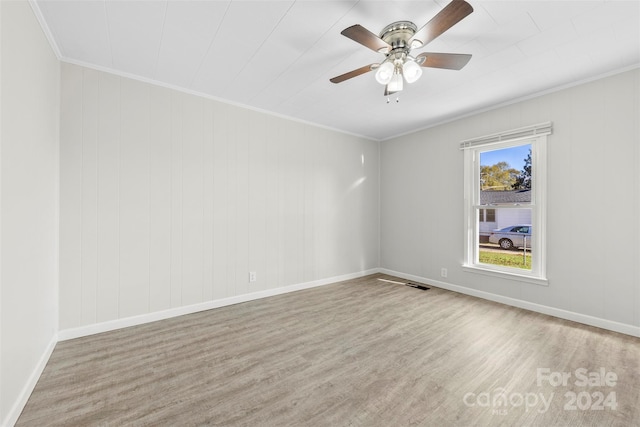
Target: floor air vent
415	285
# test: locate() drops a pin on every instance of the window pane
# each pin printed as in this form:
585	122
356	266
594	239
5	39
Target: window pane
504	237
507	169
487	215
509	243
499	194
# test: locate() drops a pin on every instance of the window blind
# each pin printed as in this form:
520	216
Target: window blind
523	132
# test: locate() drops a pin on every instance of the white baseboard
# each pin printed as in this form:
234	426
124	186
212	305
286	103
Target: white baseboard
611	325
67	334
21	401
96	328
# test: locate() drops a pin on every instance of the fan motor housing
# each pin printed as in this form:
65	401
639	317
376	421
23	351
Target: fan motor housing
398	34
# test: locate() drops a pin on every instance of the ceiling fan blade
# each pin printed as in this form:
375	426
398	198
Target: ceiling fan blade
353	73
366	38
450	61
453	13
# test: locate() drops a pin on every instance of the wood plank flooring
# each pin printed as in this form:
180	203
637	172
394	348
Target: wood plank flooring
364	352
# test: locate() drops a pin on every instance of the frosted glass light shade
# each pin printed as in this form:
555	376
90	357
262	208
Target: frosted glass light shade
411	71
384	73
395	85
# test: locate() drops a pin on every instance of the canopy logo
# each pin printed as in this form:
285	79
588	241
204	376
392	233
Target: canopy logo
584	398
501	401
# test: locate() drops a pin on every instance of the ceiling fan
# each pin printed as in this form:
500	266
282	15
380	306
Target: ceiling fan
397	40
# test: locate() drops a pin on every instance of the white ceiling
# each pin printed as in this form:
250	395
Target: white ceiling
278	56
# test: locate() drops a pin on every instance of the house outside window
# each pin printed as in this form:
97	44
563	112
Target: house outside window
487	215
505	198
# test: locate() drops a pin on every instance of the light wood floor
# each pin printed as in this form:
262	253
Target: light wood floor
358	353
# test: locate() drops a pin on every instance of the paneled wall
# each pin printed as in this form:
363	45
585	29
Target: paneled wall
29	123
169	199
593	202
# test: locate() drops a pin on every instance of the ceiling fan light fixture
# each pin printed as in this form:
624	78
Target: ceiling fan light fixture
416	44
384	74
411	71
396	41
395	85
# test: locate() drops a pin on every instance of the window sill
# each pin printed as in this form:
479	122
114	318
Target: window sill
505	275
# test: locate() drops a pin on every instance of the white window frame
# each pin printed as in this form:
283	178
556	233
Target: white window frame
535	135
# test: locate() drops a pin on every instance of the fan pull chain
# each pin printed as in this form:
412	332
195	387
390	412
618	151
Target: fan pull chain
397	99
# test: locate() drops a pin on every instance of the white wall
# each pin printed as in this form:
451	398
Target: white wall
169	200
593	203
29	121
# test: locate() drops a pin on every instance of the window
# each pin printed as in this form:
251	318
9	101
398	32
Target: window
505	197
487	215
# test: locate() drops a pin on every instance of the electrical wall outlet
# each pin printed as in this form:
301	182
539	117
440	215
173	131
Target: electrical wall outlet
443	272
253	276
